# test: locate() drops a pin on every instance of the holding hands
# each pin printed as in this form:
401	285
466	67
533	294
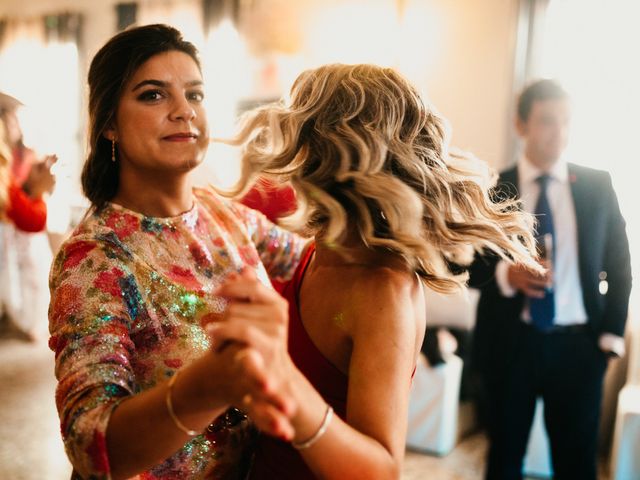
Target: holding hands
245	367
282	403
251	339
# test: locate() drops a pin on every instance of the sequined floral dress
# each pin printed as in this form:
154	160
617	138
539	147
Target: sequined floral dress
129	296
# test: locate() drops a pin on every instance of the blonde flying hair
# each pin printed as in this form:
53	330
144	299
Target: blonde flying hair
367	157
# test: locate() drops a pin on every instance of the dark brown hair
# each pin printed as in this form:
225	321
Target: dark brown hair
111	68
539	90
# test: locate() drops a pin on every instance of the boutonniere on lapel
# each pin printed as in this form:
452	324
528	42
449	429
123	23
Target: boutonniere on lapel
572	178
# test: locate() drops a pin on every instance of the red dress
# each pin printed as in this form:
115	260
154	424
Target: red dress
274	458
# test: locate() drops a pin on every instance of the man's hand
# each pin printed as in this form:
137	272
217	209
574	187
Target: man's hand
530	283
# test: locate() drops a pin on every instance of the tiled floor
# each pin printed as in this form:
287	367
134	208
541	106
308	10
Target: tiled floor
30	446
465	462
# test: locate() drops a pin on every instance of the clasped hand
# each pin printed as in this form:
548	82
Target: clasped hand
251	339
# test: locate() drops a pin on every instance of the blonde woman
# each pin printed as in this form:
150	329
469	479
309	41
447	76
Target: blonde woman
379	192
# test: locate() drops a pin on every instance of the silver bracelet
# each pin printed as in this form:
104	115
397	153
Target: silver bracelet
328	415
172	414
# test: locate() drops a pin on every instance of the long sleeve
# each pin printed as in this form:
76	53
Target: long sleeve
482	272
29	215
280	250
93	297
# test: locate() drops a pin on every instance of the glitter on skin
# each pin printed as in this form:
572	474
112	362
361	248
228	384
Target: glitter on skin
338	320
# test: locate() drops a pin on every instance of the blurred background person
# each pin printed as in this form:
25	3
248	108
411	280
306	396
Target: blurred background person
15	205
24	247
551	335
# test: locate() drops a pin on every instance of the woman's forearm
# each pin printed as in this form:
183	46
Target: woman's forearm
141	433
353	454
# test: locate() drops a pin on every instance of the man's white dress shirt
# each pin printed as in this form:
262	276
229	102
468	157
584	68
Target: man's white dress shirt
569	306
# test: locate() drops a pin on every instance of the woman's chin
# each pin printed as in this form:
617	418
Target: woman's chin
186	164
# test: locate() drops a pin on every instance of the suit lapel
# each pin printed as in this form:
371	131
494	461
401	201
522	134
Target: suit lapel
508	183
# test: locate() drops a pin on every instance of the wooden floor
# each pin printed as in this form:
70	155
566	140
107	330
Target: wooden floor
30	446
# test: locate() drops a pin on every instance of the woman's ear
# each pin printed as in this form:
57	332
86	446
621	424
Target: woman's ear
110	134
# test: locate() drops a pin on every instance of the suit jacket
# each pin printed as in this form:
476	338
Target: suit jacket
603	253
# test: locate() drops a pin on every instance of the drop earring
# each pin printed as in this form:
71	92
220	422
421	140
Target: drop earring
113	150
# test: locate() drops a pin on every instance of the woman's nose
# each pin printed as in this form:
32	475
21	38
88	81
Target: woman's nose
183	110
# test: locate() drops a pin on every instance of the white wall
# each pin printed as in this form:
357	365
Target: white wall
471	83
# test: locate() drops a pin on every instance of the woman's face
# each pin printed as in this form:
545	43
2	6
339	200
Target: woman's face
160	123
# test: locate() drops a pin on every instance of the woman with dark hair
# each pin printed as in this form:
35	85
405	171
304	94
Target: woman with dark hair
135	285
389	207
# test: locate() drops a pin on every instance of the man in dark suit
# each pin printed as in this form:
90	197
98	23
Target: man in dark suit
551	335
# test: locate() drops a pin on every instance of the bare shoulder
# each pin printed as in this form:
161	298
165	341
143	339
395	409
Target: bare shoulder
362	310
388	316
386	282
388	299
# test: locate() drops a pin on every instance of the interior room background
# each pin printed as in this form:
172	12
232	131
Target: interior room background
468	57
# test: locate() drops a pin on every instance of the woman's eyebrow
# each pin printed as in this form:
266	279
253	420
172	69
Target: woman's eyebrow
160	83
157	83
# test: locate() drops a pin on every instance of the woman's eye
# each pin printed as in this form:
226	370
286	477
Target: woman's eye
150	95
195	96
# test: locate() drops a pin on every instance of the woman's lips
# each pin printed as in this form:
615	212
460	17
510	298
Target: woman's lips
181	137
